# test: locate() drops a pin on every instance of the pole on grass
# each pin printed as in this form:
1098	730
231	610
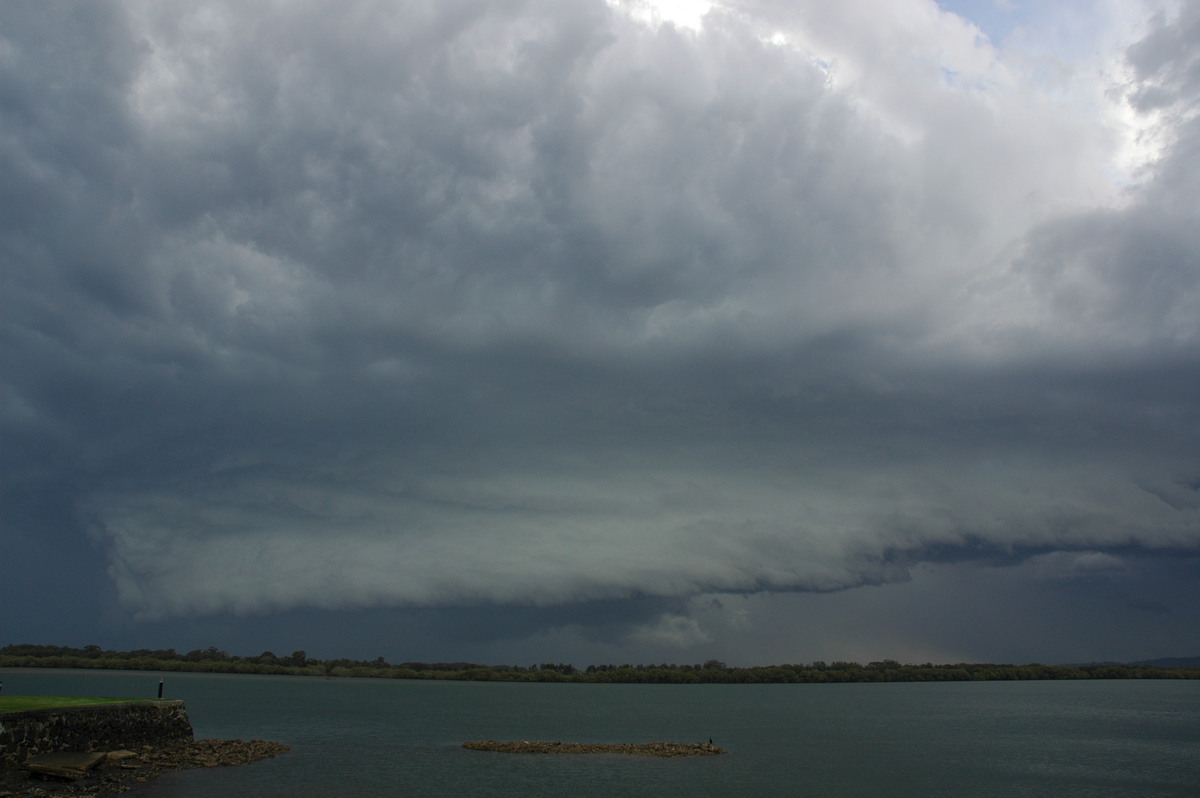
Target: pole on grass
160	681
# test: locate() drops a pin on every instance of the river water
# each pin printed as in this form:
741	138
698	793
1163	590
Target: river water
365	737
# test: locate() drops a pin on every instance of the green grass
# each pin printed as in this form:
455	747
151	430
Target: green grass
23	703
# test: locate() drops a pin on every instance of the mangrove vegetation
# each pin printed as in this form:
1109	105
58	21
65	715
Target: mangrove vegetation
298	663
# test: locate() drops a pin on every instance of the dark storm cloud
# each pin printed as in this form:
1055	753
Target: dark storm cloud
364	305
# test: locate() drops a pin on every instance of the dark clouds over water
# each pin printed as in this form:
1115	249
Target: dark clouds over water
464	330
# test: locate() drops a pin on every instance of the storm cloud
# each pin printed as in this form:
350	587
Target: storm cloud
542	304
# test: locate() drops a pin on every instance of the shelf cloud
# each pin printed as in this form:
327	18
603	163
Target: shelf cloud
343	306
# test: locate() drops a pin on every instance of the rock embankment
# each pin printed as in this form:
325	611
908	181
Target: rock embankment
120	771
91	727
632	749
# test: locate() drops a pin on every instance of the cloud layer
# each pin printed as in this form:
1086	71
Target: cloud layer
428	304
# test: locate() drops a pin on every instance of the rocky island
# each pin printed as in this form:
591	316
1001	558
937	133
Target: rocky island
631	749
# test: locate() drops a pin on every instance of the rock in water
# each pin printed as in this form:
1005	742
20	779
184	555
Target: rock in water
633	749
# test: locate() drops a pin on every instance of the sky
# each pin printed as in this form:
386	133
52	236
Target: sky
602	331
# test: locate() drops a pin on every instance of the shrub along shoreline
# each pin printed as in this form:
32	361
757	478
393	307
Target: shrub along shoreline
213	660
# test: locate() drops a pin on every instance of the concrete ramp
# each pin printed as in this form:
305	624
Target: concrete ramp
64	764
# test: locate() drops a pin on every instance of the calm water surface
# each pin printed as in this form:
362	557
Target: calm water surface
363	737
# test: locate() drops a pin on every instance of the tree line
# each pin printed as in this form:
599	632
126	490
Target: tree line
298	663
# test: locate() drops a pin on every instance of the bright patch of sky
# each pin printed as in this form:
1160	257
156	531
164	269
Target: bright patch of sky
1067	50
996	19
1072	50
680	13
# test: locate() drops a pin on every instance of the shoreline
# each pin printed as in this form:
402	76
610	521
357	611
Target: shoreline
122	771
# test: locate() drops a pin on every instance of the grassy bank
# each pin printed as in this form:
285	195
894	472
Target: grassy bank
24	703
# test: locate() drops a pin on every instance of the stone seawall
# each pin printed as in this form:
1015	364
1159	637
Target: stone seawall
101	727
